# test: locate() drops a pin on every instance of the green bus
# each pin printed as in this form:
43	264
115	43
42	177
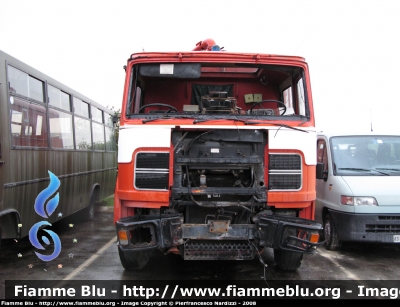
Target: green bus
47	128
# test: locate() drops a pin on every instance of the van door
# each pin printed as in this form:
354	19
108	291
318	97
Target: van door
322	184
1	158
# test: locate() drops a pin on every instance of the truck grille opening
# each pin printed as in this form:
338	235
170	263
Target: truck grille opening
151	181
218	250
285	172
284	182
284	162
151	171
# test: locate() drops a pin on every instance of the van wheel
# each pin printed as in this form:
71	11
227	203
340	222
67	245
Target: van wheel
331	237
287	260
136	261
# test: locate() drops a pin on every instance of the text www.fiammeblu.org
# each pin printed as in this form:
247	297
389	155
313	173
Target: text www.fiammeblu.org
232	291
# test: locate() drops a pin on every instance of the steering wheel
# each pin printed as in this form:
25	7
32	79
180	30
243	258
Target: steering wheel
170	108
280	105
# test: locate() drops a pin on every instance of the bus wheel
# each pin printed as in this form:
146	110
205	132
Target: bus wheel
287	260
136	261
331	236
88	212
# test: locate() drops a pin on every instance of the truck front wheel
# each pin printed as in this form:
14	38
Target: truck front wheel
287	260
133	261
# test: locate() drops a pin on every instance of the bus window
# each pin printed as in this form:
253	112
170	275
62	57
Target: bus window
59	99
81	108
24	84
110	139
39	122
83	139
61	132
16	120
97	115
98	136
108	120
28	124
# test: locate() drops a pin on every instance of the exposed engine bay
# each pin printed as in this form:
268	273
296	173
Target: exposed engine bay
219	168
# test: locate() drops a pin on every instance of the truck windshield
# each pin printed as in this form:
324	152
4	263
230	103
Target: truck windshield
366	155
217	90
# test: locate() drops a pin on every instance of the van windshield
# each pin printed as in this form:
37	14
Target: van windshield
366	155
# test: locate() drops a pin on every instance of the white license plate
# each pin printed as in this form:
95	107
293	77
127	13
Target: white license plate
396	238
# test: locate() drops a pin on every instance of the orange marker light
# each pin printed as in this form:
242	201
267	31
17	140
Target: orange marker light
314	237
123	237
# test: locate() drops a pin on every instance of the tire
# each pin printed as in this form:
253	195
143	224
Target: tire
332	241
287	260
133	261
267	255
88	212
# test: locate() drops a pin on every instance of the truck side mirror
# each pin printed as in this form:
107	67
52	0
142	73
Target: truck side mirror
116	118
320	171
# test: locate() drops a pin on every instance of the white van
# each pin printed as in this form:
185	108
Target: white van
358	188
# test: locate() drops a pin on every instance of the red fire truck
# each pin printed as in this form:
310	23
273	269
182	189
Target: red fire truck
216	157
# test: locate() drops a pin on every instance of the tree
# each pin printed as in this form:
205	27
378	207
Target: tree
116	117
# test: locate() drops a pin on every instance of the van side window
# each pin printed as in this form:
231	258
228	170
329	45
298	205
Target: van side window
322	155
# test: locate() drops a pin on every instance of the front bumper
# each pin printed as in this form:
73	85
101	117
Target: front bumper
218	239
373	228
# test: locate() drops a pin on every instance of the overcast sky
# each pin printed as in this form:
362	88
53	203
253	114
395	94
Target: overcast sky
352	47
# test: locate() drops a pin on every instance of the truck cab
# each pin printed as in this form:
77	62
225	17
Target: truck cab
216	157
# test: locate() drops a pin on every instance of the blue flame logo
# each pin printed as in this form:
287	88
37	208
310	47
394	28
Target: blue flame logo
35	242
45	194
45	211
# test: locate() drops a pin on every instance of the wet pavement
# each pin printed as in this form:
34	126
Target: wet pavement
89	252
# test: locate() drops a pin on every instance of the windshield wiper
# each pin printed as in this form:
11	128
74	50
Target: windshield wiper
200	120
246	122
281	125
389	169
362	170
217	118
165	117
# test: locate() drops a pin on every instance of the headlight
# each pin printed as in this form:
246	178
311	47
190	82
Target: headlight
358	201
